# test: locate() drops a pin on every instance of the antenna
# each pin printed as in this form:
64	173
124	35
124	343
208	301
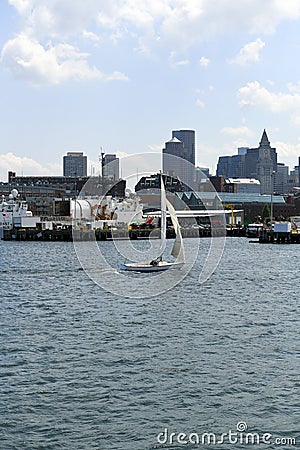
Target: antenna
101	159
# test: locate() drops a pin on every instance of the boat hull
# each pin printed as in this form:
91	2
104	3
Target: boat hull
140	267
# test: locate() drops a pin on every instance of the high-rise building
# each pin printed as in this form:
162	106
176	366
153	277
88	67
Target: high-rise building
182	145
231	166
257	163
281	179
111	167
187	137
75	165
293	179
173	153
224	166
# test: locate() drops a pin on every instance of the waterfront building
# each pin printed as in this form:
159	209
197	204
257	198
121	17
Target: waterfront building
75	164
252	204
172	184
243	185
41	191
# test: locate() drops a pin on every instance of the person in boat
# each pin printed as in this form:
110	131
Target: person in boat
155	262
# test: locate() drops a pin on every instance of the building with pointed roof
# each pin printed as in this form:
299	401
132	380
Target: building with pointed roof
264	142
259	163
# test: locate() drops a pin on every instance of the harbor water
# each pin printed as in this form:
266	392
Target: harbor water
82	368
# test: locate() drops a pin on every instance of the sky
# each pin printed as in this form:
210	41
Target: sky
122	74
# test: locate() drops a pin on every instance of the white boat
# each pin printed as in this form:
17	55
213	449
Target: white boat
158	264
14	213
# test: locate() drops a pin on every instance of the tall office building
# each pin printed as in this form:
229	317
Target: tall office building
111	166
281	179
257	163
75	165
182	145
174	166
188	139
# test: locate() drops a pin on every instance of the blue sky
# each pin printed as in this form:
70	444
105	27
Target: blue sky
78	76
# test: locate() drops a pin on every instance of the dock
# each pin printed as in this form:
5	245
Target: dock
271	237
67	234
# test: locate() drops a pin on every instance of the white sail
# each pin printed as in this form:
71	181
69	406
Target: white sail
163	217
178	249
158	264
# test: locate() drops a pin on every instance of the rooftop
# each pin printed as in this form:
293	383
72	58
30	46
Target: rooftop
228	197
243	180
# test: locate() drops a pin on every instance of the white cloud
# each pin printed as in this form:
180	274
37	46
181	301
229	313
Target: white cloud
249	53
253	94
90	36
22	6
289	153
294	87
116	76
194	21
151	24
237	131
27	58
184	22
182	62
200	103
295	119
204	62
26	166
271	82
174	62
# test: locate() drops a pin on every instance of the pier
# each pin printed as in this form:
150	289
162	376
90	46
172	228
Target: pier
67	234
271	237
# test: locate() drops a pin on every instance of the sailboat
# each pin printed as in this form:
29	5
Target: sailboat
158	264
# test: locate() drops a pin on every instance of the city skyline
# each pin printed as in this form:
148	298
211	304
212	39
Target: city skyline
78	77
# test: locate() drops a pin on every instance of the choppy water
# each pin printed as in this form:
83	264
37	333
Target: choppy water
83	369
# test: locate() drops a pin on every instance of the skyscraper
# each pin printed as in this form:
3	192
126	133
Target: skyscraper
257	163
111	166
281	179
182	145
75	165
187	137
174	166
